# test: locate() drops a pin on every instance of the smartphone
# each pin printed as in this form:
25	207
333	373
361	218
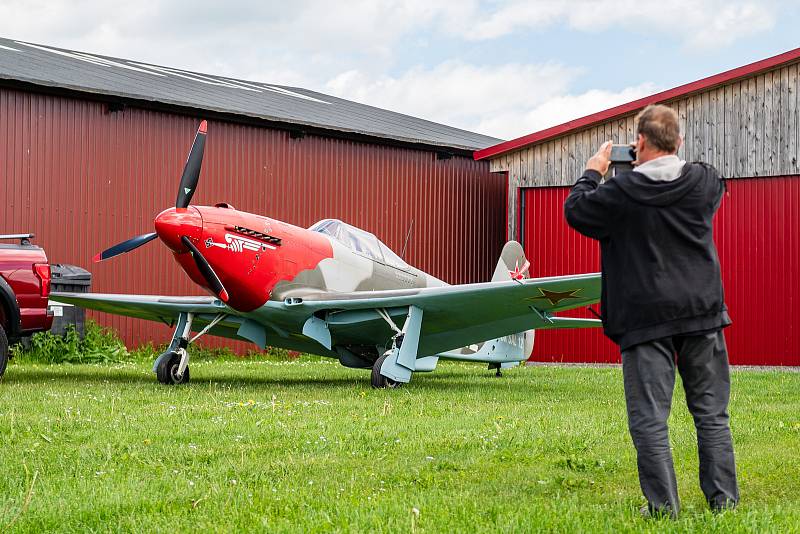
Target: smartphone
623	154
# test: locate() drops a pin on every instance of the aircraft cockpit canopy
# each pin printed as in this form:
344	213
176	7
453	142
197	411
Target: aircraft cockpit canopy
359	241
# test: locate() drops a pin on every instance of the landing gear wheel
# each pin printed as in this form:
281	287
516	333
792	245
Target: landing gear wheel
167	371
378	380
3	351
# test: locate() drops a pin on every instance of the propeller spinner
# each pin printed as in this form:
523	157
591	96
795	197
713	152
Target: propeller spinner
174	224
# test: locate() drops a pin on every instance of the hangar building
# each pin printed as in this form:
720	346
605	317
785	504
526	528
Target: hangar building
92	149
745	122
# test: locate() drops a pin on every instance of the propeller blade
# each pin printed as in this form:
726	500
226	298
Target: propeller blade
191	172
206	270
125	246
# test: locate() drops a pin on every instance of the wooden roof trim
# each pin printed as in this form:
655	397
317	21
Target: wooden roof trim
625	109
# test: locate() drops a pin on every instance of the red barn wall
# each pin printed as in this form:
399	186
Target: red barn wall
82	179
757	231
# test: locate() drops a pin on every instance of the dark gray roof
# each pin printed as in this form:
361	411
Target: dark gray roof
91	73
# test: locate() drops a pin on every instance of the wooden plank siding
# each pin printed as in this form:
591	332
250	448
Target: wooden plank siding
747	128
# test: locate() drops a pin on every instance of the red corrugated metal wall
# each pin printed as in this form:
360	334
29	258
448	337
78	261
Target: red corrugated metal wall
757	230
82	179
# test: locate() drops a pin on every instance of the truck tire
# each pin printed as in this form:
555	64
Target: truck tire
3	351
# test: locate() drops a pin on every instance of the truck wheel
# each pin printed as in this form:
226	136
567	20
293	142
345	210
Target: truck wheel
3	351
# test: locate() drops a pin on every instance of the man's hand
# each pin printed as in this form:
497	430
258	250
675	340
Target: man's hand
601	159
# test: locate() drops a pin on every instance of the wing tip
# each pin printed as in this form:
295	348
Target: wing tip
203	127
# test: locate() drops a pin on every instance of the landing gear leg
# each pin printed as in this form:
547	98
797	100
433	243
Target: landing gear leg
497	368
397	364
172	367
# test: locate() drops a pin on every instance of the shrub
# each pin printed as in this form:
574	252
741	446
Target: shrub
99	345
102	345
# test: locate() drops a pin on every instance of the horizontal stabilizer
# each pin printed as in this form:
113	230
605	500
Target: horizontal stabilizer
571	322
507	349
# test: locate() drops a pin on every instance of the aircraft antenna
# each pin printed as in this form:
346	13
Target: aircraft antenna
408	236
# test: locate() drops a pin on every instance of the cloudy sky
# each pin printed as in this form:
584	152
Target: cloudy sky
503	68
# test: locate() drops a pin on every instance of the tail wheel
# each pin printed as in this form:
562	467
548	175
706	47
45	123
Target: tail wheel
167	371
378	380
3	351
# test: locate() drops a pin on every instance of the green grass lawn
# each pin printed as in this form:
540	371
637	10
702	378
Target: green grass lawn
308	446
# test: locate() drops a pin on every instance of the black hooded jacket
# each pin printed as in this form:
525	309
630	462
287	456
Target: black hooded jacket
660	269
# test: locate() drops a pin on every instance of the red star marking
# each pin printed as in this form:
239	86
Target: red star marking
517	273
556	296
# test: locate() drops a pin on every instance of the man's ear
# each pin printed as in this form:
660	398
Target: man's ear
680	144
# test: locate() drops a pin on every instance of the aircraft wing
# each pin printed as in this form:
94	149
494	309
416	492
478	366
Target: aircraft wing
151	307
453	316
459	315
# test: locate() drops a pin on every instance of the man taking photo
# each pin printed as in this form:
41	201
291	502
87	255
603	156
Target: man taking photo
662	302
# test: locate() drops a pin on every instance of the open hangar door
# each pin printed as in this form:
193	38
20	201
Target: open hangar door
757	231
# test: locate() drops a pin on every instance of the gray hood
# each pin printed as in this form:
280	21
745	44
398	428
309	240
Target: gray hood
644	190
663	169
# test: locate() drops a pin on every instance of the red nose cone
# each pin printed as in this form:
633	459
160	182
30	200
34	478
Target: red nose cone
174	223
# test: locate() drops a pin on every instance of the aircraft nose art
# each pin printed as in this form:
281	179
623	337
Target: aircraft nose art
245	250
174	223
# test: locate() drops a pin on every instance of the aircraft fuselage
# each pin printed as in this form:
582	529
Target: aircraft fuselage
259	259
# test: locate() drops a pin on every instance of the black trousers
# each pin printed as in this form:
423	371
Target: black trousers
649	374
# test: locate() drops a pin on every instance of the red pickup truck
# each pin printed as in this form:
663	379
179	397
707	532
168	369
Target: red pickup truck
24	291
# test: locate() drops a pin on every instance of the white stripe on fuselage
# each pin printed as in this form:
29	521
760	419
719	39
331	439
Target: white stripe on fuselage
237	243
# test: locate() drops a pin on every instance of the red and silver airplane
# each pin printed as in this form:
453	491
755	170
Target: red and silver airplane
336	291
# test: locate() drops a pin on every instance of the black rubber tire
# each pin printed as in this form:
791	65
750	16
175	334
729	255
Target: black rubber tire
167	368
3	351
378	380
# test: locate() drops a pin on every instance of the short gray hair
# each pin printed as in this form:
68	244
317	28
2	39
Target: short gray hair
659	124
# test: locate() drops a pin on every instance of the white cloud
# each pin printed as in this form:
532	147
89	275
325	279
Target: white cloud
454	92
505	101
521	121
730	23
697	23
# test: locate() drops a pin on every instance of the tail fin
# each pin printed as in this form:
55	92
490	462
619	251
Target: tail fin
512	265
506	351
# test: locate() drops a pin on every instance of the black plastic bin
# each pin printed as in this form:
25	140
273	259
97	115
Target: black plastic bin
69	279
